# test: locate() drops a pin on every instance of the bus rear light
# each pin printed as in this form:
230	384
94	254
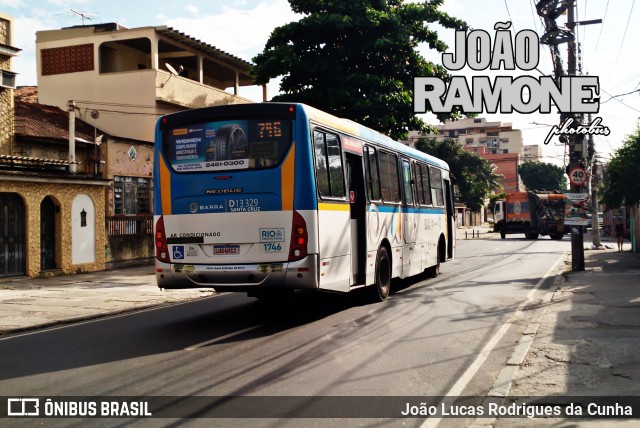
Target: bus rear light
162	250
298	247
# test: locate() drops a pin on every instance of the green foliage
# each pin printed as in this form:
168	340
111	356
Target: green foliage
495	198
542	176
622	186
357	59
474	176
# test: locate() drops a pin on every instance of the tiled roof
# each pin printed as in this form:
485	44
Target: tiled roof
35	120
206	47
26	93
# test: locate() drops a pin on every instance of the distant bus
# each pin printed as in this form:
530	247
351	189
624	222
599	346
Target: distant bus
272	197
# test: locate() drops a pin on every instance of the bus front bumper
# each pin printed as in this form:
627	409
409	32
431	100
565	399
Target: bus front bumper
302	274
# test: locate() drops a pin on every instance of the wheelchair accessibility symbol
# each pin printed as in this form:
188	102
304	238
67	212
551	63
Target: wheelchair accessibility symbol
178	252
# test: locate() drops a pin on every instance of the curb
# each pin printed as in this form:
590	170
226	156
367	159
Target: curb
6	333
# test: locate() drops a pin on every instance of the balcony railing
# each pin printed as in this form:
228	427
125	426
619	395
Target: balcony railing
129	225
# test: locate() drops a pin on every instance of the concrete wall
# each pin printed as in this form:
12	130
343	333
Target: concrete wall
6	95
129	249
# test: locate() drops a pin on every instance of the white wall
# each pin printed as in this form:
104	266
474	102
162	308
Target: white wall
83	238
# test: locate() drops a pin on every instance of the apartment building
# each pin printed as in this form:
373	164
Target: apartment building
532	153
496	142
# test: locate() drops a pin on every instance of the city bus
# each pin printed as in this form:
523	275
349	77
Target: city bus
272	197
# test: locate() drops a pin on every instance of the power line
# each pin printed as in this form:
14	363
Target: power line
614	98
624	35
509	13
621	95
602	26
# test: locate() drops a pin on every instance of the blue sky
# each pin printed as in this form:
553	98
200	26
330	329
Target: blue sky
241	27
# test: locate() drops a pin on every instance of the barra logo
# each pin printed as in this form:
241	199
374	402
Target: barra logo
506	94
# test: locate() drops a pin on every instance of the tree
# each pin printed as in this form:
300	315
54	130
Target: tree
474	176
622	186
357	59
542	176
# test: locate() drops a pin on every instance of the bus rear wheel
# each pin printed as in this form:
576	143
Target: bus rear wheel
383	275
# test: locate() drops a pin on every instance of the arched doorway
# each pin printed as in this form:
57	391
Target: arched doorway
47	234
12	235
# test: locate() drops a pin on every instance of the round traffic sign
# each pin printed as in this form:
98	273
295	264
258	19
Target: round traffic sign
578	176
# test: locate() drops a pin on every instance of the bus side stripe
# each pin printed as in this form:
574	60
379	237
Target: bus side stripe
287	174
165	187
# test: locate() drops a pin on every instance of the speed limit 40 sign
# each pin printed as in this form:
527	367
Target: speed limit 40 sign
578	176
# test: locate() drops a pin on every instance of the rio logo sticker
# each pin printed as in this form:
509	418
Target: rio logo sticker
506	94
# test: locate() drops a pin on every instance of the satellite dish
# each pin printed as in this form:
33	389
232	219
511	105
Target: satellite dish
173	70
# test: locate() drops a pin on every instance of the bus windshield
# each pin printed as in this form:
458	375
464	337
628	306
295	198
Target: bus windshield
227	145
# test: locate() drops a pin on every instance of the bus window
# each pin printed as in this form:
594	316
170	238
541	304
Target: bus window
372	175
329	171
424	183
227	145
389	177
436	187
406	182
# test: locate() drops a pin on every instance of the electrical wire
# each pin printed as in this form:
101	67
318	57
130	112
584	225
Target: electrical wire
624	35
602	26
509	13
614	98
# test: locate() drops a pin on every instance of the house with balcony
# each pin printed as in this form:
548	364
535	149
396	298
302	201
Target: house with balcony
133	76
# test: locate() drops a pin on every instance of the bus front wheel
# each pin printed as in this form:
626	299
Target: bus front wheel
383	275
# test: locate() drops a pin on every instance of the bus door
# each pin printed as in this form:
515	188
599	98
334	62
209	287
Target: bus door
411	250
358	208
451	227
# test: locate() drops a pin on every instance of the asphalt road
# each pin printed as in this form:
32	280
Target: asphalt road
445	336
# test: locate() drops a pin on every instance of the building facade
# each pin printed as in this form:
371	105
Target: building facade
532	153
496	142
132	76
74	199
50	221
7	83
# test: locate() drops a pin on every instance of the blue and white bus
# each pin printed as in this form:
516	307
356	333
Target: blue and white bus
268	197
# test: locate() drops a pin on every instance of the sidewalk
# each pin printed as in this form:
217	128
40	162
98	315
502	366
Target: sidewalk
27	303
587	342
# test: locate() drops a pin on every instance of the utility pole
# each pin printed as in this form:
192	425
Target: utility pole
550	11
71	108
595	221
575	149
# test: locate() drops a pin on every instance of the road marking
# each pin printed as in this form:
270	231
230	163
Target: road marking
461	384
221	338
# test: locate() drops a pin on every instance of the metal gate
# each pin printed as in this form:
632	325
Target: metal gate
12	235
47	234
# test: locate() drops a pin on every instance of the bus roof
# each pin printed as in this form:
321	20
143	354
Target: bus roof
345	125
355	129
